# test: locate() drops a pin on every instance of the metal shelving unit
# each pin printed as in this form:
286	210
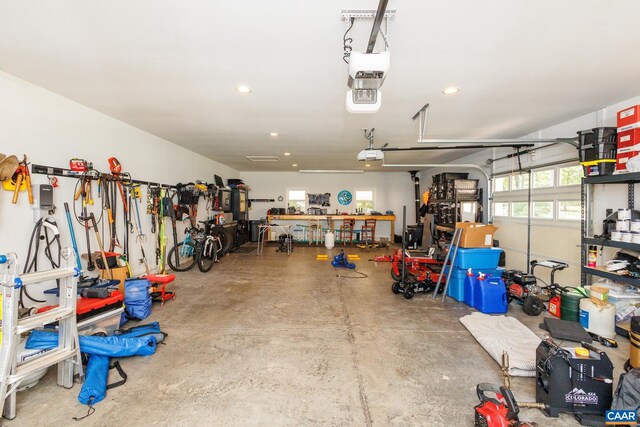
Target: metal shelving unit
586	226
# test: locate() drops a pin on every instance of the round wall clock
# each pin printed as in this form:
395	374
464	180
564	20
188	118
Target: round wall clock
344	197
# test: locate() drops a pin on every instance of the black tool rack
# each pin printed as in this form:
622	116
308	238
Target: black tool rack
586	226
93	174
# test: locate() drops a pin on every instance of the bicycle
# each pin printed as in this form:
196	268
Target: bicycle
198	247
183	256
210	247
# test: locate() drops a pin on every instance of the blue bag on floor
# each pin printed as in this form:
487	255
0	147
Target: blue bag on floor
137	300
150	329
96	380
113	346
94	388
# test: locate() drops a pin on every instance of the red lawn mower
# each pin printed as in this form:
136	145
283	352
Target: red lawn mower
420	274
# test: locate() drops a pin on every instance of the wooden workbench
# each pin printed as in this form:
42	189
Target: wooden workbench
330	220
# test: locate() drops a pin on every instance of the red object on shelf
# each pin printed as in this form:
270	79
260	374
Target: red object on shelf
159	283
629	118
628	147
88	307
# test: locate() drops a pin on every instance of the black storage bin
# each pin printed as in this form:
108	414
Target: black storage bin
254	228
447	176
598	143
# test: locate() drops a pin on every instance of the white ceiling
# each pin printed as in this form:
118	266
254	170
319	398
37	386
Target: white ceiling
170	68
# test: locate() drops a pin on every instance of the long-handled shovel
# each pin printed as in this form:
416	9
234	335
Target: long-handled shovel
100	245
141	238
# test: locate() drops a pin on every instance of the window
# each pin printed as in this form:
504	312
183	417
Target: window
520	209
543	179
501	209
501	184
364	200
570	175
520	182
543	210
297	199
569	209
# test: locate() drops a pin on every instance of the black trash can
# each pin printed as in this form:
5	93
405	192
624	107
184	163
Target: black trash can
254	229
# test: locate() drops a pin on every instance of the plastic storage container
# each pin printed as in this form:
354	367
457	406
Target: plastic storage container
491	296
600	320
456	284
478	258
598	149
470	285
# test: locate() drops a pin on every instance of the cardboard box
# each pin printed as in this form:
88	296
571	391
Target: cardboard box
629	118
476	235
119	273
628	147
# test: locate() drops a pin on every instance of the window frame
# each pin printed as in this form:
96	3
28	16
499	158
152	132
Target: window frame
304	200
373	197
512	181
508	178
559	201
553	208
559	168
513	210
506	202
553	179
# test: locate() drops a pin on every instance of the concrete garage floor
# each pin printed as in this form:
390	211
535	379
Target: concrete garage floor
277	340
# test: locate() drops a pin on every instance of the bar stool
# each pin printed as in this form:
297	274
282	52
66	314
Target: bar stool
316	233
346	231
368	231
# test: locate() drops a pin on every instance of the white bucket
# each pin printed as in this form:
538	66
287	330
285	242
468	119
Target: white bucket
616	236
329	240
635	225
624	213
627	236
598	320
622	225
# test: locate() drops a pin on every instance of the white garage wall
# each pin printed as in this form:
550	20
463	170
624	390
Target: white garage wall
51	129
392	190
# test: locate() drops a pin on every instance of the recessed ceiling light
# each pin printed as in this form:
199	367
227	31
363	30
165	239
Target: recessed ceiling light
295	165
451	90
368	166
287	154
243	89
273	134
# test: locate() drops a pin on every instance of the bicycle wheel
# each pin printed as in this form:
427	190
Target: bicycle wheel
220	238
186	256
207	254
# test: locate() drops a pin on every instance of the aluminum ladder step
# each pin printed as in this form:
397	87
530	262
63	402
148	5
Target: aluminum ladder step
30	323
50	358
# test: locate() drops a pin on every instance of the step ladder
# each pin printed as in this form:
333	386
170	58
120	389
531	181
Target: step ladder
66	355
451	256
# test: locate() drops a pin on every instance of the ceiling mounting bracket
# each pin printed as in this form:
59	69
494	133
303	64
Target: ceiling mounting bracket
368	15
422	114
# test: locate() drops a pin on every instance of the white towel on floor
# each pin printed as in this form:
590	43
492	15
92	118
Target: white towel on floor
497	334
